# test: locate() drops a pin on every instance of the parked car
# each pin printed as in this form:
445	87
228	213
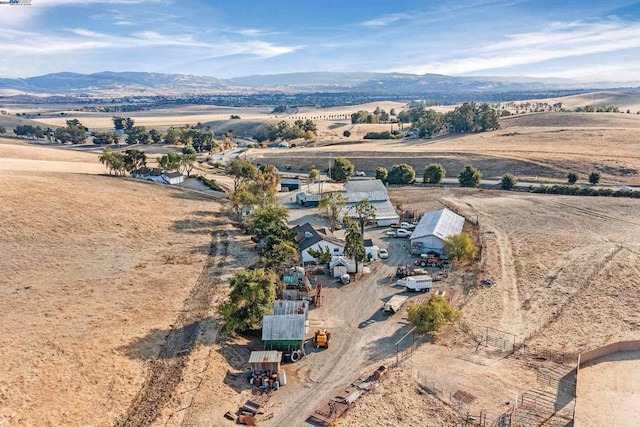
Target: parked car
384	254
407	226
401	232
360	173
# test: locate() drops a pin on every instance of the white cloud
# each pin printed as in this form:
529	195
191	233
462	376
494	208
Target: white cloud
385	20
557	41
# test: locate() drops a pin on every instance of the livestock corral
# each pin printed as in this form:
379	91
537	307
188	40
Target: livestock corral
110	288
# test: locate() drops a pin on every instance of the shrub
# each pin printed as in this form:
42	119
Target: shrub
401	174
470	177
211	183
382	174
346	134
572	177
434	174
460	246
594	177
508	182
432	315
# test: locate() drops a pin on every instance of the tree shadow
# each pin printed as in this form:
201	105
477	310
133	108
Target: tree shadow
203	222
172	343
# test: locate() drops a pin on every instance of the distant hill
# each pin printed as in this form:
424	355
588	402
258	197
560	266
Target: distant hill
400	84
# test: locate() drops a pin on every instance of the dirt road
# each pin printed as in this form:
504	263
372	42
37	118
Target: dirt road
165	373
361	338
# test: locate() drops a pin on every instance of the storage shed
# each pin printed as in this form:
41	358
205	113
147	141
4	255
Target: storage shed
265	360
434	227
285	307
308	200
290	183
284	333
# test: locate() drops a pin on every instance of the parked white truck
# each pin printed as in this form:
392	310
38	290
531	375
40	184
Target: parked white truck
416	283
394	304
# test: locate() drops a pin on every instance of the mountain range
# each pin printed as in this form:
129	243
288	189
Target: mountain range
141	83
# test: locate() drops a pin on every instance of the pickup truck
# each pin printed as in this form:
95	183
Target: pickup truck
404	226
400	232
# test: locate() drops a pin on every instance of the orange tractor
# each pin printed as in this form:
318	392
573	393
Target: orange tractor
322	338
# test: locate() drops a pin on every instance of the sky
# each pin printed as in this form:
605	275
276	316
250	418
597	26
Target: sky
582	40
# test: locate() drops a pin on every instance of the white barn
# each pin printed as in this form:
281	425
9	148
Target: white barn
375	191
434	227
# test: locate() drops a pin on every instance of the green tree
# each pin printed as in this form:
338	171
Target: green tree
137	135
460	246
364	212
3	129
354	242
332	204
134	160
253	293
432	315
346	134
267	182
434	174
281	256
341	170
594	177
187	163
242	170
572	177
429	123
105	138
322	255
314	174
508	182
118	123
113	161
382	174
155	136
470	177
270	221
241	198
188	149
401	174
74	132
170	161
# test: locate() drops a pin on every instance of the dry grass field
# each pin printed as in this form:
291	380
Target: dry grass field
96	273
109	286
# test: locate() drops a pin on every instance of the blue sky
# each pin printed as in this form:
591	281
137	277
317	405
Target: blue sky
584	40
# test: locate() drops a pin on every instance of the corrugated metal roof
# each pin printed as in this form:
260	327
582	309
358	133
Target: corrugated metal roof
369	185
286	328
270	356
284	307
441	223
384	210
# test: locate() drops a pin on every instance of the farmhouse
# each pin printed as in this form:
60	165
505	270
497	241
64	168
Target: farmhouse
307	237
375	191
284	332
158	175
434	227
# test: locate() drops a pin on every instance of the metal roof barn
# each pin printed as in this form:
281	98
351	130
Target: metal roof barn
283	332
434	227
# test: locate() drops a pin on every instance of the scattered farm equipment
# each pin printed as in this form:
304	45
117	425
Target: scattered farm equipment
322	338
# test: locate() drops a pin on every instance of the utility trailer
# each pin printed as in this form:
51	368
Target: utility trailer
394	304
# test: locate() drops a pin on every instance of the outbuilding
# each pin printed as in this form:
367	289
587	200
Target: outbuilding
265	360
286	307
308	200
291	184
376	193
285	333
434	227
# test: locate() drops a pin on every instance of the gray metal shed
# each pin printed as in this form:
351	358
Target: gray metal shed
434	227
